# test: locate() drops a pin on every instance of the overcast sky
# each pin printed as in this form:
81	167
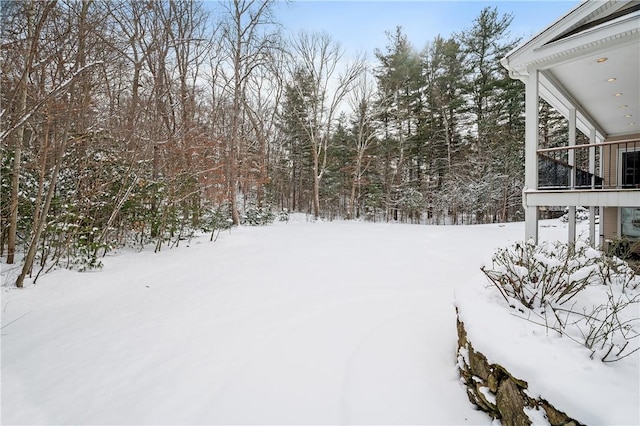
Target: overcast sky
360	25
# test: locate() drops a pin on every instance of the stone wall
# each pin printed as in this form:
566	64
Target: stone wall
498	393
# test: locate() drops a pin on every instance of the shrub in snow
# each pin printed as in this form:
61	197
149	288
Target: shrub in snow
283	216
373	201
216	218
575	290
581	214
625	249
26	195
71	242
256	216
85	258
410	200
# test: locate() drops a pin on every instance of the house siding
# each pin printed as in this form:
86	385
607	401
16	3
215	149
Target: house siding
611	230
610	217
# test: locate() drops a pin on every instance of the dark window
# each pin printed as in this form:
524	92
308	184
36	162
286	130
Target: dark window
630	222
631	169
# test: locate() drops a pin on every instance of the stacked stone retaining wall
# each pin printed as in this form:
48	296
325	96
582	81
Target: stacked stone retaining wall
497	392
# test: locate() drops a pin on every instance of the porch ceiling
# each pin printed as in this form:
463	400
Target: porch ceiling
614	105
589	60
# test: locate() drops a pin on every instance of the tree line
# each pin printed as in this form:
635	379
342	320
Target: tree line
136	122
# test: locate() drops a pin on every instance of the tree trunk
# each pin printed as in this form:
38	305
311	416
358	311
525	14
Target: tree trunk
17	157
39	225
316	185
351	211
15	181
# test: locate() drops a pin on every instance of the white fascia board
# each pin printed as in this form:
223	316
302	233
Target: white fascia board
620	33
601	39
599	197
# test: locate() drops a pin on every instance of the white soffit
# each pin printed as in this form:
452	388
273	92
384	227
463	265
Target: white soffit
552	91
613	105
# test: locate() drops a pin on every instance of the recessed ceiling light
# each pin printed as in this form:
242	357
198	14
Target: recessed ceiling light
629	115
601	60
618	94
632	124
623	106
611	79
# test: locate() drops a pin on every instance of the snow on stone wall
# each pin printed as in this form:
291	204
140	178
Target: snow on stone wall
498	393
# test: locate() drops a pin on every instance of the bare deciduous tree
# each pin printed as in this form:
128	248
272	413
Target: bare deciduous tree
362	104
249	38
36	14
319	58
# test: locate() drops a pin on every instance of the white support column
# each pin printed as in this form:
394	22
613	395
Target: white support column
532	104
572	173
592	158
592	170
592	226
572	224
601	208
531	223
572	152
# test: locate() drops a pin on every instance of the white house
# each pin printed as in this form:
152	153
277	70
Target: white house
586	65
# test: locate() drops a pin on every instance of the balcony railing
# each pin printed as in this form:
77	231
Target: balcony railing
608	165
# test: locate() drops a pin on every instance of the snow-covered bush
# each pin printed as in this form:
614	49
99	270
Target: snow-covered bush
283	216
627	250
411	200
216	218
575	290
85	258
373	201
26	195
581	214
256	216
70	241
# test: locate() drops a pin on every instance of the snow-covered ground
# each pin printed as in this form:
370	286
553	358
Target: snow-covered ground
294	323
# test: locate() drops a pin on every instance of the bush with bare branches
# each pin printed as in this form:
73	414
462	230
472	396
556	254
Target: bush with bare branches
574	290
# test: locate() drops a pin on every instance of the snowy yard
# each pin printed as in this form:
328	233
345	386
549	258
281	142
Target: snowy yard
305	323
